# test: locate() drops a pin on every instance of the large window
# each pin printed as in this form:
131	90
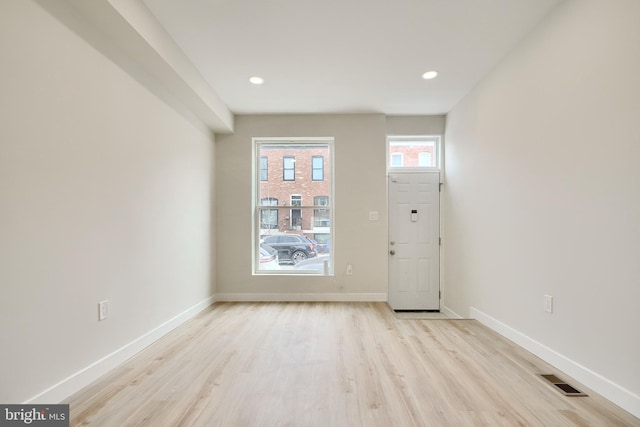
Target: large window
414	151
293	211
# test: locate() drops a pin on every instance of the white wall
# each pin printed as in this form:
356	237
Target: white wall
105	192
542	194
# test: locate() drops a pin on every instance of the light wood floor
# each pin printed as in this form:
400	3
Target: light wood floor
334	365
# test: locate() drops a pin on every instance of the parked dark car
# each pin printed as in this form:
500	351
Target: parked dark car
292	248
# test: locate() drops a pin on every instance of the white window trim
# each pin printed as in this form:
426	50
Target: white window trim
255	202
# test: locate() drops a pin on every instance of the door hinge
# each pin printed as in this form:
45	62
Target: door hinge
439	241
440	187
439	294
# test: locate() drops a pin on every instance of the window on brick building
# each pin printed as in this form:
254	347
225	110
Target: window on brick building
269	217
293	210
295	217
317	168
321	217
289	168
264	168
397	160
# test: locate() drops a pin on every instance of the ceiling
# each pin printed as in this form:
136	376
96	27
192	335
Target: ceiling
346	56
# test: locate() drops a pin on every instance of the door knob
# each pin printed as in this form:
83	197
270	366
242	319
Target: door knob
392	252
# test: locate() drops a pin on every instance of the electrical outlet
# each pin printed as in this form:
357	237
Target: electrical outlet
349	269
548	303
103	310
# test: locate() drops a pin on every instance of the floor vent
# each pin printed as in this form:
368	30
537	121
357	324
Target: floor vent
563	387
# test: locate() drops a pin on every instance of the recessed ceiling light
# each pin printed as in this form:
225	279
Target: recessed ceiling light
256	80
430	75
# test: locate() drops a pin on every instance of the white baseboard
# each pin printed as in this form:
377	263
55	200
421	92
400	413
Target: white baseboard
84	377
622	397
450	313
302	297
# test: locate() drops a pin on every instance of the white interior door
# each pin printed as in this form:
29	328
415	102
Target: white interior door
414	241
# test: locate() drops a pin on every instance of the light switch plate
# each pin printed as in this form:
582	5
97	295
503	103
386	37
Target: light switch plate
103	310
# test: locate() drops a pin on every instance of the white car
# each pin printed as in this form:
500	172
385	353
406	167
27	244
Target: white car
268	258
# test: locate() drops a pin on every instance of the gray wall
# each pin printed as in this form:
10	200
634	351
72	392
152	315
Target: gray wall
415	125
359	188
542	194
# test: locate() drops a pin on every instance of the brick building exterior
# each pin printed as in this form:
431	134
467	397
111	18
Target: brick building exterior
296	179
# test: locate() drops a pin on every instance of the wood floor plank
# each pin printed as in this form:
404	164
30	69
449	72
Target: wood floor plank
333	364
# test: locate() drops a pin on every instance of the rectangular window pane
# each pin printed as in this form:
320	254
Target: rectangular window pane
396	160
317	168
269	217
264	169
321	217
292	209
289	168
425	159
414	152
